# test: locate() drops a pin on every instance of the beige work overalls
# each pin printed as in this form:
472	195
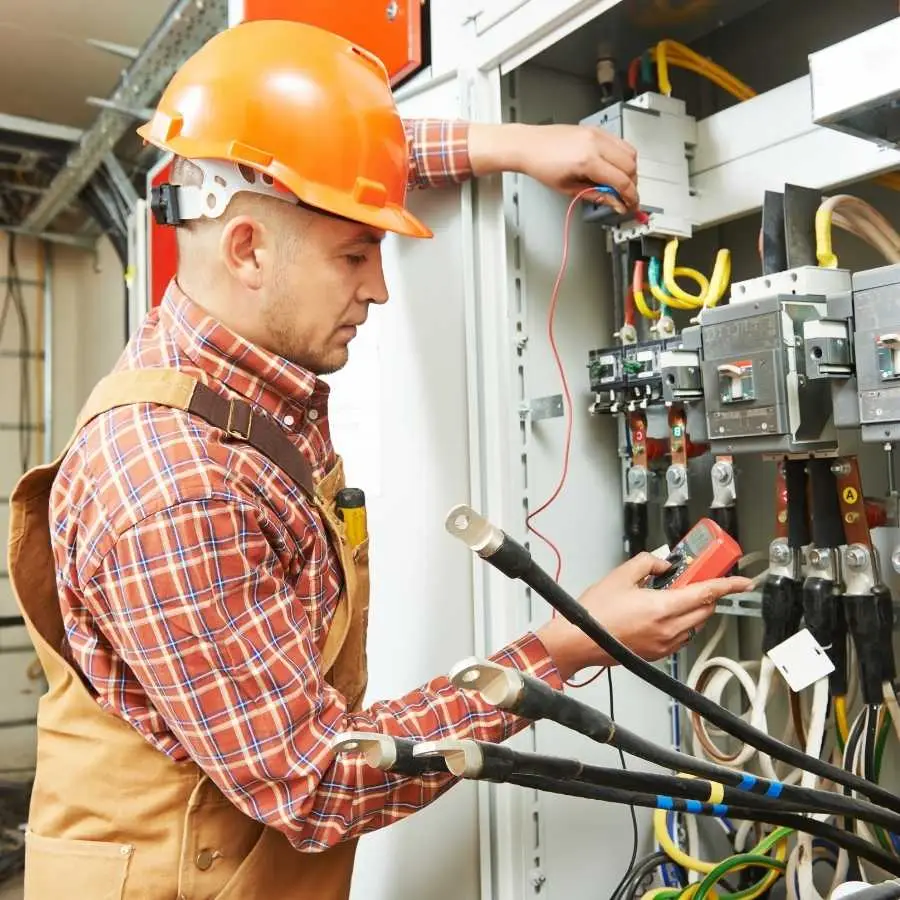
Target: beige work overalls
111	817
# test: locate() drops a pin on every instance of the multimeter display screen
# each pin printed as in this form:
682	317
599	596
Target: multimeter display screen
696	541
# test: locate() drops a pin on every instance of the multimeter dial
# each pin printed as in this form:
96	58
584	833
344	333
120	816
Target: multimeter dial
676	564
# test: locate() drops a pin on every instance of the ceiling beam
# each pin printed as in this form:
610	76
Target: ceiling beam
185	28
115	49
38	128
142	115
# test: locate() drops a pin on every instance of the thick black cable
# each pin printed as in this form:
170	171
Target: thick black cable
827	523
634	824
501	762
850	842
538	700
515	561
797	503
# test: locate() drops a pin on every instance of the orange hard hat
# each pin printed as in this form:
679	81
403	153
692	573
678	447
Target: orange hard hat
300	105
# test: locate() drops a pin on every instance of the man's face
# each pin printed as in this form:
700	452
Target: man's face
326	273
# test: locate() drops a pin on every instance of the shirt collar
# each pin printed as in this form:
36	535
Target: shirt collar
282	388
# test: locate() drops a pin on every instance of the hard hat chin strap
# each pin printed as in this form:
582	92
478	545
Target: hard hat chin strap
175	204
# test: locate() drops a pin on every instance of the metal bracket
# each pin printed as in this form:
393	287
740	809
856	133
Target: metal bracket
746	604
544	408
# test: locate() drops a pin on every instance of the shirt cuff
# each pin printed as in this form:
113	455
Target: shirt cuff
438	152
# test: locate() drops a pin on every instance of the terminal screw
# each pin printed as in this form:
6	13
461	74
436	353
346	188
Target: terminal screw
780	554
856	557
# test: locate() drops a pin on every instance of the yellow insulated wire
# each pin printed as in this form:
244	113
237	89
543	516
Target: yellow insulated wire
711	291
670	52
825	254
840	716
640	304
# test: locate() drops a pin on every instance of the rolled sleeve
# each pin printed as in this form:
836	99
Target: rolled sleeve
438	152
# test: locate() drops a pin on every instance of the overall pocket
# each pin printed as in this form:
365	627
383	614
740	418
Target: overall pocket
57	868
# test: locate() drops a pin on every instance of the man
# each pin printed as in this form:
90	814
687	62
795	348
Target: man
205	639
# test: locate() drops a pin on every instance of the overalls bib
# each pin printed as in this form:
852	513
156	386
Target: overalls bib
112	818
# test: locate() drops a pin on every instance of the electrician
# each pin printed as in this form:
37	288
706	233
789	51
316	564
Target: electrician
204	634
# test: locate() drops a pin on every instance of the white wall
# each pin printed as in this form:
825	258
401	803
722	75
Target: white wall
87	336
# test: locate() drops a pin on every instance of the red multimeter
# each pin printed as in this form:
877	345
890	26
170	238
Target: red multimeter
706	551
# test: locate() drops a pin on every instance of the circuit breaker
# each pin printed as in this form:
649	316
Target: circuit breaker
876	310
628	374
664	136
759	369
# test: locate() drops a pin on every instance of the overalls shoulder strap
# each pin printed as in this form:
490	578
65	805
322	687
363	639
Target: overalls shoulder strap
169	387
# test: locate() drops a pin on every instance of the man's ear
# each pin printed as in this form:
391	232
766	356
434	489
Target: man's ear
239	247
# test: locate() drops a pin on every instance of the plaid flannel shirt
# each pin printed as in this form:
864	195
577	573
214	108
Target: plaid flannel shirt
196	582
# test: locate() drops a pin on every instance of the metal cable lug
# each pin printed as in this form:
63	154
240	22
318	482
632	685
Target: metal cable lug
380	750
462	758
498	685
474	530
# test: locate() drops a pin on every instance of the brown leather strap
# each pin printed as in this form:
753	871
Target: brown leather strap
236	418
178	390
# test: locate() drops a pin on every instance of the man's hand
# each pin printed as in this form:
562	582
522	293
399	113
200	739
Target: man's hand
653	624
567	158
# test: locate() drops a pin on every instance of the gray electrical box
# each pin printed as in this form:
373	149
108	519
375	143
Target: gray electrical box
664	136
758	395
876	311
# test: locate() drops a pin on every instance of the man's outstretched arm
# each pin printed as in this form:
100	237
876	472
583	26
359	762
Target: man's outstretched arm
567	158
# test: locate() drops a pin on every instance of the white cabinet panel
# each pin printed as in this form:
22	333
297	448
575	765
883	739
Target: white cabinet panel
524	29
400	420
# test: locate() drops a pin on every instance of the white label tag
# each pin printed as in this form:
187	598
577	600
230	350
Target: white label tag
801	660
661	552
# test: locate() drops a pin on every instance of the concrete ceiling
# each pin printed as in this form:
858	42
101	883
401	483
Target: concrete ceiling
46	68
